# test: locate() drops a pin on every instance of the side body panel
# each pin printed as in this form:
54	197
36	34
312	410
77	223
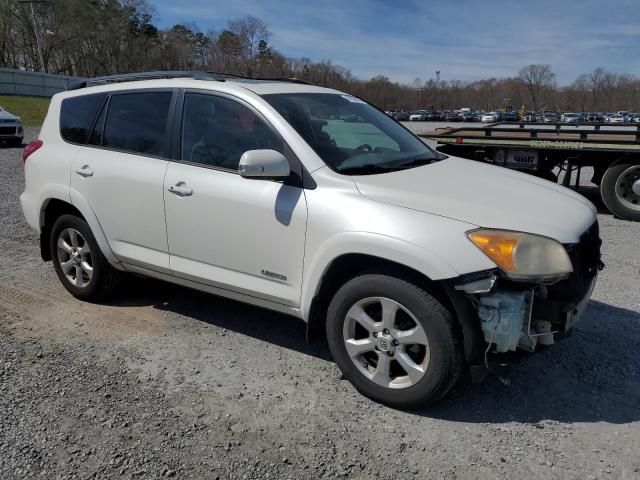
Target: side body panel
240	234
46	171
125	193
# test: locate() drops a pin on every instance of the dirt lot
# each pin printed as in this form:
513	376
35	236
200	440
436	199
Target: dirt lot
167	382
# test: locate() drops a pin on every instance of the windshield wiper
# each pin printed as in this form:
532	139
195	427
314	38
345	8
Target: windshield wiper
415	162
366	169
373	168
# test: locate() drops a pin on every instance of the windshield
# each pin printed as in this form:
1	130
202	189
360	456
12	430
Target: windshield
351	136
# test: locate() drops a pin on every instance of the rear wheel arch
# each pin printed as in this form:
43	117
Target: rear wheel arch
52	209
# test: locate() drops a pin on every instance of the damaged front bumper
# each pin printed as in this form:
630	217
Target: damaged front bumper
512	318
523	315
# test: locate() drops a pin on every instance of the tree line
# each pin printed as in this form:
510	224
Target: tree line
90	38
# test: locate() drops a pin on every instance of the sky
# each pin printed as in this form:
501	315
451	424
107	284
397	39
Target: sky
464	39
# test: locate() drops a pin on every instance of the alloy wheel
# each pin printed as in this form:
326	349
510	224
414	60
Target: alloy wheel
386	342
74	257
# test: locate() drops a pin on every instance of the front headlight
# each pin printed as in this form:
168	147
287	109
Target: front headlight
523	256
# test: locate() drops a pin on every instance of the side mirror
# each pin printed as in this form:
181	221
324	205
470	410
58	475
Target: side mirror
263	164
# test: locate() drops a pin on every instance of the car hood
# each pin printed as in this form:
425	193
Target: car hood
484	196
4	115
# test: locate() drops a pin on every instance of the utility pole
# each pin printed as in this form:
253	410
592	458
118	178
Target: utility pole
35	31
438	89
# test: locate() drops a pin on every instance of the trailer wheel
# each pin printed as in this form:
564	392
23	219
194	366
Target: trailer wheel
620	190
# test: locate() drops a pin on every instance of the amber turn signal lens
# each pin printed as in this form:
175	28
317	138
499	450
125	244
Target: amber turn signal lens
499	246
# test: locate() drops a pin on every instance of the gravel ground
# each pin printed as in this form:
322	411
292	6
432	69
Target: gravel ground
168	382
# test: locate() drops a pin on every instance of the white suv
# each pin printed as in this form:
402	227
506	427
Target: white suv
311	202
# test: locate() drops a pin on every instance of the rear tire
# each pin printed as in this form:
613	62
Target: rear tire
78	261
396	343
618	191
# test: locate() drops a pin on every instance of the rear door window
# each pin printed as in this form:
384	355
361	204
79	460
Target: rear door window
137	123
77	114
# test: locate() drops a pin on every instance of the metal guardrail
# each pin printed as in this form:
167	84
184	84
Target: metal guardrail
33	84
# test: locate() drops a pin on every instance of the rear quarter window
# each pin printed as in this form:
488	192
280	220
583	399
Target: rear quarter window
76	116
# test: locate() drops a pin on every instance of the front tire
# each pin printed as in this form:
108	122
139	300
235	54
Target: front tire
395	342
620	190
78	261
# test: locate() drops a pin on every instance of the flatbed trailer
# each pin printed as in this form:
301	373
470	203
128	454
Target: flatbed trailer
551	150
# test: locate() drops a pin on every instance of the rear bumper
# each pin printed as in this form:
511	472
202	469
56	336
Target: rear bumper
31	211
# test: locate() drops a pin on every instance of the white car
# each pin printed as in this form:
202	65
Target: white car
417	117
417	266
11	130
491	117
616	119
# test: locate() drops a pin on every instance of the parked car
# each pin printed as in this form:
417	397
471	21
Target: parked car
11	131
451	117
510	116
401	116
570	118
231	188
529	116
467	116
419	116
615	118
595	117
548	117
353	118
434	116
625	115
490	117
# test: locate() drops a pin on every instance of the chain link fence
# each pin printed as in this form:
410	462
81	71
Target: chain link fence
33	84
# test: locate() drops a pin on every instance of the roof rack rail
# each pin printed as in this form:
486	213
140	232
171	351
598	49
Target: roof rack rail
130	77
283	79
196	75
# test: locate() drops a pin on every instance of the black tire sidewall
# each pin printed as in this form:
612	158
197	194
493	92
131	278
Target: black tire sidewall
609	196
100	264
434	319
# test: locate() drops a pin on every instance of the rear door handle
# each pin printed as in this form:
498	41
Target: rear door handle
84	171
181	189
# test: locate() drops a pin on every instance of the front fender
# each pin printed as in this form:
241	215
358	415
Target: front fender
388	248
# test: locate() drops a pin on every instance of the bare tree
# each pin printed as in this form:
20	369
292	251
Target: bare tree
596	81
535	79
99	37
251	33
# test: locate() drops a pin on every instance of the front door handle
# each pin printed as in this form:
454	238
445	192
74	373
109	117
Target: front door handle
181	189
84	171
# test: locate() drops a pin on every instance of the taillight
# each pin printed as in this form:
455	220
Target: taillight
29	149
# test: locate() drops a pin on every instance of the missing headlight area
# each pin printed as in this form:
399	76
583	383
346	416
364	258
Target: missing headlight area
507	321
